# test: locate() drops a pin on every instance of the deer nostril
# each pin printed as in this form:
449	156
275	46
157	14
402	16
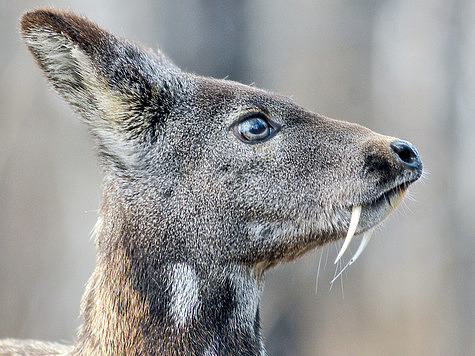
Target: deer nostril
407	154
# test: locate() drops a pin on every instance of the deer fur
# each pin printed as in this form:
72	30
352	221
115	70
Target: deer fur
195	207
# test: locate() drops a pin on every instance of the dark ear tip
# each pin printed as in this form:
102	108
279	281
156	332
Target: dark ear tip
67	24
38	18
28	20
57	20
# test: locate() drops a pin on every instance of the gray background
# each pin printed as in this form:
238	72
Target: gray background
401	67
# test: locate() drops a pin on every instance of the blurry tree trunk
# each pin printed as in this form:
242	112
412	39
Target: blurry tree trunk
423	64
461	171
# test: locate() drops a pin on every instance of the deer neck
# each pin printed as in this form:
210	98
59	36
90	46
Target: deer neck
144	299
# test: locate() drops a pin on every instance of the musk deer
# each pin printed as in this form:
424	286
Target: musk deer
207	184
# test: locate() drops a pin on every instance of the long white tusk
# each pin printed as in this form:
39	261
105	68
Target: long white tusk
355	218
364	242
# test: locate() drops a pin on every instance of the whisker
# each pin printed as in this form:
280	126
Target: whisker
336	273
326	258
318	271
407	208
335	277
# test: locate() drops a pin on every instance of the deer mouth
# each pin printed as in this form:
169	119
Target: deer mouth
364	218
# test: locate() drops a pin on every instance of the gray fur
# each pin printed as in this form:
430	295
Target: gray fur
191	215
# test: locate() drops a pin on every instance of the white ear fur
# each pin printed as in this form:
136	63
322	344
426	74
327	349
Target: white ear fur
118	88
54	53
74	77
68	69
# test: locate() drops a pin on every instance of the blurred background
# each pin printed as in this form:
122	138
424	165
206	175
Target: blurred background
401	67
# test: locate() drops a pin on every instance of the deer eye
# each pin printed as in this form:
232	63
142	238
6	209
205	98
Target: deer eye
255	128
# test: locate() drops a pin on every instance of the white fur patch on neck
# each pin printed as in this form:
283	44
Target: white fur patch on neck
248	294
185	302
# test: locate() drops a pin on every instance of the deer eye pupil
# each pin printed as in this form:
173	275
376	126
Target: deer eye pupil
255	128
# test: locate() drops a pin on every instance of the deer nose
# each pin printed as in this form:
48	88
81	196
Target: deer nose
407	154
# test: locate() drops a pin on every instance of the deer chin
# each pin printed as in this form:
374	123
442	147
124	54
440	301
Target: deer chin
306	234
366	216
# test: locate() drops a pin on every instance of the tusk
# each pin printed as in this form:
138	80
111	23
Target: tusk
394	201
355	218
364	242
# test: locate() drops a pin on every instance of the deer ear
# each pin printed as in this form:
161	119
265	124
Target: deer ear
105	78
